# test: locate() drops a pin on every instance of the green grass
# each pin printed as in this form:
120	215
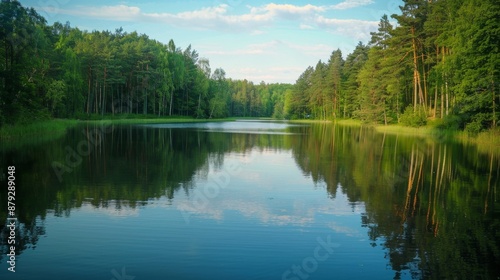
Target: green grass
155	120
489	140
50	127
399	129
18	136
349	122
58	127
486	141
310	121
254	118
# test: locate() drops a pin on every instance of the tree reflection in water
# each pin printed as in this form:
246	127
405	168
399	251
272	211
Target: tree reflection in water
433	206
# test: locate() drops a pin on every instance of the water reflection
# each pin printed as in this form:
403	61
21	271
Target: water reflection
431	206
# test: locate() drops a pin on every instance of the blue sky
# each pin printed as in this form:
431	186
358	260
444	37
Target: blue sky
254	40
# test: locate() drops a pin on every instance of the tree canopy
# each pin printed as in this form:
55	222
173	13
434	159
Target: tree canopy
64	72
436	59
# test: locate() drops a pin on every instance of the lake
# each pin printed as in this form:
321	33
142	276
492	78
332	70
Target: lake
250	200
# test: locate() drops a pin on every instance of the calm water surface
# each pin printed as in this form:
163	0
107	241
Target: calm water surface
251	200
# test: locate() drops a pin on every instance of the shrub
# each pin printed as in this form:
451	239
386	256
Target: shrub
2	118
452	122
413	118
473	128
479	122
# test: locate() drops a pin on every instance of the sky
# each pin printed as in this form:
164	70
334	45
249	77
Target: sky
258	40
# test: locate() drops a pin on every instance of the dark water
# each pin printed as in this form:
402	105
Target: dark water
250	200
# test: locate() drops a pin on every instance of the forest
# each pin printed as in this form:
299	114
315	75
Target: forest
63	72
436	60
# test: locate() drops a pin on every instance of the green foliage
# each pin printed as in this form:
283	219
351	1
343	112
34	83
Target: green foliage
443	56
441	60
56	94
35	129
352	66
60	71
278	112
473	128
477	124
414	117
451	122
2	118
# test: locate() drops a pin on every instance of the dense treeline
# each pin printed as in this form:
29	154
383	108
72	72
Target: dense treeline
440	60
437	59
61	71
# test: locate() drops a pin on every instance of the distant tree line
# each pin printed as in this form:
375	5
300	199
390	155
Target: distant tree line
440	60
61	71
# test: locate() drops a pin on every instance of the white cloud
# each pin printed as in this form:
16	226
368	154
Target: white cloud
320	50
302	212
118	12
113	209
252	49
219	18
286	70
205	18
305	26
287	11
358	29
348	231
257	32
275	60
274	47
267	21
275	74
349	4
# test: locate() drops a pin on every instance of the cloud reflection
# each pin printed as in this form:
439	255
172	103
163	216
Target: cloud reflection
268	211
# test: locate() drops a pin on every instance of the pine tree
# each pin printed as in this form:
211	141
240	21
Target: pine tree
353	64
409	37
476	57
334	84
378	79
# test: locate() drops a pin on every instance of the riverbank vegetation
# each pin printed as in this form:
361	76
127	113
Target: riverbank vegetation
57	127
436	60
58	71
488	139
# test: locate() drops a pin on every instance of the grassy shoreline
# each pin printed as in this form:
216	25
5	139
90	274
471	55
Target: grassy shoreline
38	129
57	127
490	137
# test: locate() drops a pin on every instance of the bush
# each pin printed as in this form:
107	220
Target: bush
452	122
473	128
26	116
415	118
479	122
2	118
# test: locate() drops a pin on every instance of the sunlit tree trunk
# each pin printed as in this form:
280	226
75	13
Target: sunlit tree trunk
89	89
494	123
415	70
